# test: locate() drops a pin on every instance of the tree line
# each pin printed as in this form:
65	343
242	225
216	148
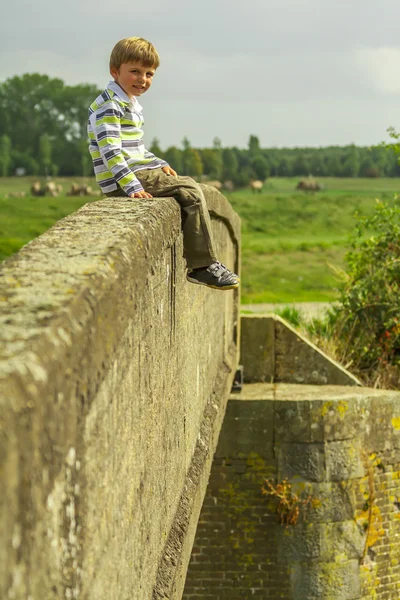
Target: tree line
43	132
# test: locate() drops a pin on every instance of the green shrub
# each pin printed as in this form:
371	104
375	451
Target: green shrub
368	313
322	327
291	315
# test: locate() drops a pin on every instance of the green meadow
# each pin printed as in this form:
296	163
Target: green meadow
292	242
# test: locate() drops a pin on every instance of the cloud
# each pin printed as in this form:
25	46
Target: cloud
294	71
381	67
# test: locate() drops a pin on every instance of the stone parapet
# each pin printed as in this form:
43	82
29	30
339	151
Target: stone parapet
114	375
273	351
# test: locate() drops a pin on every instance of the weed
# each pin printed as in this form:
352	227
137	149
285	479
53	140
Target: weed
288	509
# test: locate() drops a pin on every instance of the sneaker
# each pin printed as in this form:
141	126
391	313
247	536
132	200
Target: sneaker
216	276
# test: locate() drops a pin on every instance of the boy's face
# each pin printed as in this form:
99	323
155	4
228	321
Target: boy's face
134	78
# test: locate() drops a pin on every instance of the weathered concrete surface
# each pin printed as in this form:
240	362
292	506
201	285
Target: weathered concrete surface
339	446
114	374
272	351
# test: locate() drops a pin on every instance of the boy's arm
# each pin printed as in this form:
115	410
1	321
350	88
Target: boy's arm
107	129
161	162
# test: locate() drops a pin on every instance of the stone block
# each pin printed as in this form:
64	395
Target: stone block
344	460
257	348
330	502
299	543
301	461
341	540
248	427
342	416
383	425
292	421
320	542
326	580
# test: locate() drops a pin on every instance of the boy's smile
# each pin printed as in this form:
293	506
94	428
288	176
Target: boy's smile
134	78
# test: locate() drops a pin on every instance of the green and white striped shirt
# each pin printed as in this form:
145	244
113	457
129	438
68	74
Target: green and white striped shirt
116	141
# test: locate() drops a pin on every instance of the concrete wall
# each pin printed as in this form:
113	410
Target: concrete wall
339	446
273	351
114	374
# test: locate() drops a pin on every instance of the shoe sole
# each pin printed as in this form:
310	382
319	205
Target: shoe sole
214	287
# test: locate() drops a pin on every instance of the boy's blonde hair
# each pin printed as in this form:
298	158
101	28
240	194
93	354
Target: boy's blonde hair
134	49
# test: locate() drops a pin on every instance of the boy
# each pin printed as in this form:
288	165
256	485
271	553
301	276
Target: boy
123	167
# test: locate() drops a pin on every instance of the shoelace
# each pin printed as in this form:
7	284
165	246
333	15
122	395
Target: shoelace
222	272
217	269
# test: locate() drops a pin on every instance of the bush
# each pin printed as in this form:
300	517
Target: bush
368	315
291	315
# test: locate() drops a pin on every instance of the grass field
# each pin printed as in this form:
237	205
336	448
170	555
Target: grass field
22	219
289	238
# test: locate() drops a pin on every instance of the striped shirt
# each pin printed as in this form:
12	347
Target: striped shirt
116	141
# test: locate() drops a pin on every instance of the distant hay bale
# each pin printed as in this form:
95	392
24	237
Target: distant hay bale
214	183
228	185
16	195
36	189
81	190
256	186
308	185
50	189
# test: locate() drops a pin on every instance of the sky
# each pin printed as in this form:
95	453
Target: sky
292	72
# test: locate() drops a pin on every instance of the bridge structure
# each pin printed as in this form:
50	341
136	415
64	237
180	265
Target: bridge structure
130	471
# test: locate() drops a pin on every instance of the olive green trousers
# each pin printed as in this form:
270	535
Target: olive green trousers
198	244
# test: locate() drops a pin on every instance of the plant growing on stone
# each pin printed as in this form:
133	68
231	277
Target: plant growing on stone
289	505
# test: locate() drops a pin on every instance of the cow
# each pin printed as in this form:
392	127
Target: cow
256	186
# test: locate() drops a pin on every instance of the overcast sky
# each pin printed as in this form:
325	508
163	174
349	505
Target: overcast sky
293	72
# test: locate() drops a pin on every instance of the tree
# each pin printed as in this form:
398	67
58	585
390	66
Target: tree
32	105
173	156
333	165
185	143
260	166
86	161
230	164
45	154
285	167
212	162
302	165
192	162
24	160
243	177
351	165
369	168
317	164
5	155
217	144
254	146
155	148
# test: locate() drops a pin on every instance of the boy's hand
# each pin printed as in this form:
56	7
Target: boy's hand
169	171
141	195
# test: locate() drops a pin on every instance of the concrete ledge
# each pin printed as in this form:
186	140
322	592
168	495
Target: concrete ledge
114	374
272	351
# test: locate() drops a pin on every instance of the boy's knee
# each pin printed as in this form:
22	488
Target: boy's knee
188	182
189	188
